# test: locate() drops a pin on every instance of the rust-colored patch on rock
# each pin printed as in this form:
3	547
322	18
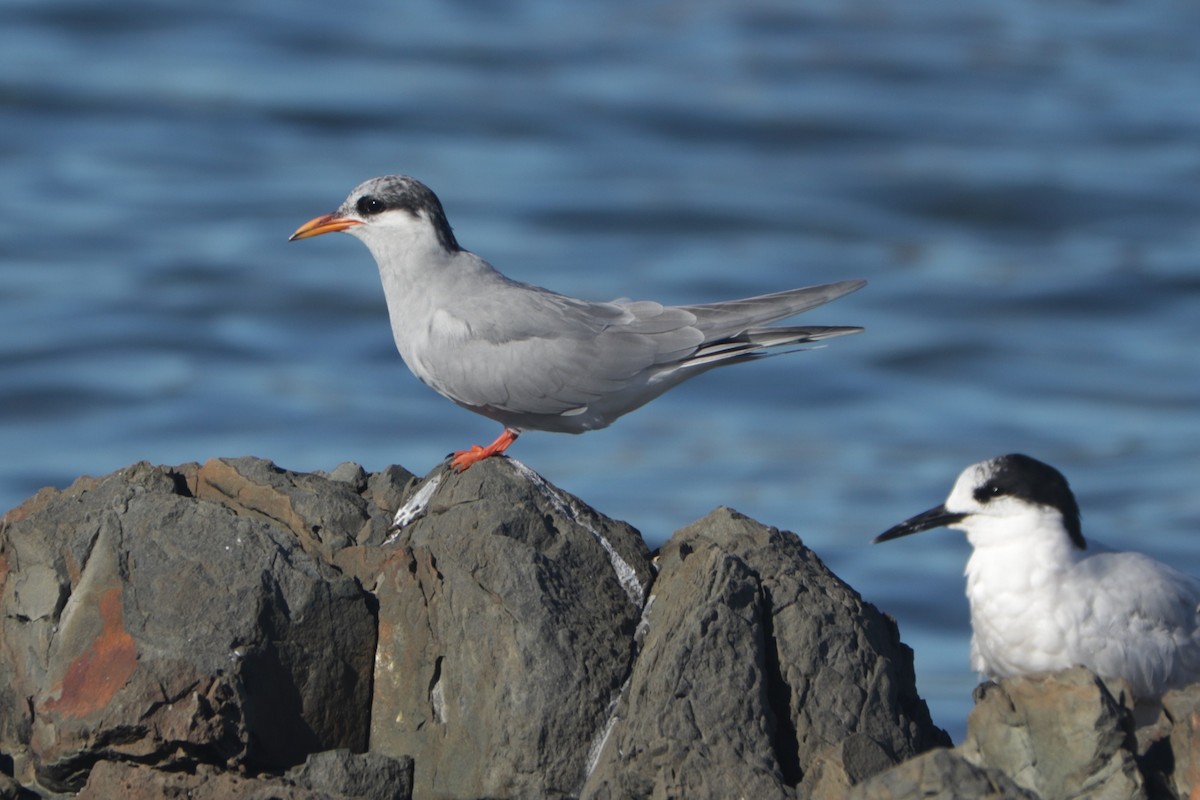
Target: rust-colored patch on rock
96	675
220	481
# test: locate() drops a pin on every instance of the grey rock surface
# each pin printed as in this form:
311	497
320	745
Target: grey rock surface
1065	735
756	661
507	614
940	775
235	629
1062	735
1177	752
363	776
330	775
11	790
140	622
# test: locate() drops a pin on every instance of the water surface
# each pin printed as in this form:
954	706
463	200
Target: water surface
1019	182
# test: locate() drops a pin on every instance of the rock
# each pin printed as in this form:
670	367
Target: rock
365	776
233	629
389	487
128	781
143	622
756	662
11	790
851	761
939	775
507	613
1170	756
334	775
1055	736
324	513
697	720
1061	735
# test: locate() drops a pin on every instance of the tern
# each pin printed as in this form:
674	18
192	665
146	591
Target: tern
532	359
1043	598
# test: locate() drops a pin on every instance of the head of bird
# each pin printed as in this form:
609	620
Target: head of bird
1006	501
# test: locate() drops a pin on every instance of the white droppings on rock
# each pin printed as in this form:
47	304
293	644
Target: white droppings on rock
437	699
597	747
601	739
416	506
566	505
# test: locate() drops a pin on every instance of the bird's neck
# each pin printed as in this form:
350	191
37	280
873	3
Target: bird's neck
430	295
406	258
1018	556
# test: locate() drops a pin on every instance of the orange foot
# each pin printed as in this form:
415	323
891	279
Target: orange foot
463	459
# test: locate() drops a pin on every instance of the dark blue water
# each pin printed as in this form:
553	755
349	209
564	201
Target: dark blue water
1020	182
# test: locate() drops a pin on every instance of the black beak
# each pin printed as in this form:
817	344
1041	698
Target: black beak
933	518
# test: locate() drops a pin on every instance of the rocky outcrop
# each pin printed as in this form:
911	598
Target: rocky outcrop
1064	735
507	612
329	775
1059	736
757	669
939	775
236	630
144	624
215	628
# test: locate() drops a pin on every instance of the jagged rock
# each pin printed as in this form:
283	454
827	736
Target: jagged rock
939	775
324	513
140	621
851	761
331	775
1061	735
197	630
697	720
1179	749
1066	734
112	779
364	776
507	613
756	662
11	790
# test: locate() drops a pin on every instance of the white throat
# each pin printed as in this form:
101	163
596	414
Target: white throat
1015	574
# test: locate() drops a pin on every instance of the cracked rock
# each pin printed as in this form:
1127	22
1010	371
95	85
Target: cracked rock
756	662
142	623
202	630
506	628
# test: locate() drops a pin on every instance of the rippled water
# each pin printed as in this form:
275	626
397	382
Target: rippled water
1019	181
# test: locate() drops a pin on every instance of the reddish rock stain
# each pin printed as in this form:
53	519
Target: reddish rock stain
96	675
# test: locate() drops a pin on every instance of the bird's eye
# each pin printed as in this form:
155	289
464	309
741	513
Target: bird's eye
987	492
369	206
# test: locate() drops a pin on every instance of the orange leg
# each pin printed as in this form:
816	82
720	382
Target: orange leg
463	459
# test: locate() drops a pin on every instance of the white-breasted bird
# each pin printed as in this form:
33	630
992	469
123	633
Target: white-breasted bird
533	359
1043	598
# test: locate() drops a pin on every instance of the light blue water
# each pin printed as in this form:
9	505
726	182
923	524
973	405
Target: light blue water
1019	181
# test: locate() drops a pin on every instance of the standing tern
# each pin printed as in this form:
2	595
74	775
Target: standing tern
532	359
1042	598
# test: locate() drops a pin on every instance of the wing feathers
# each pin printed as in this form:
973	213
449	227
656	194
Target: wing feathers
534	353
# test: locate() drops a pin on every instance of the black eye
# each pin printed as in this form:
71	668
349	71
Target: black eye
369	206
987	492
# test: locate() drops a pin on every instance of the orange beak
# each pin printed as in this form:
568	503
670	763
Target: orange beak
326	224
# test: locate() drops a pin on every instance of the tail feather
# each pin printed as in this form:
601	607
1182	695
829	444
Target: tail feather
730	317
760	343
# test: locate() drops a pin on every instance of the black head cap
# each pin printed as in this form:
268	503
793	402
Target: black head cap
1020	476
392	192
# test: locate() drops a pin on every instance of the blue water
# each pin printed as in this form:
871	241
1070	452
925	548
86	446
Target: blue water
1019	181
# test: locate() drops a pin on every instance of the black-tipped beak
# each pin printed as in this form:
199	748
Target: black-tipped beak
933	518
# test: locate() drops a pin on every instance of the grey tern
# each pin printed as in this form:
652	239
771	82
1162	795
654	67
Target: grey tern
532	359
